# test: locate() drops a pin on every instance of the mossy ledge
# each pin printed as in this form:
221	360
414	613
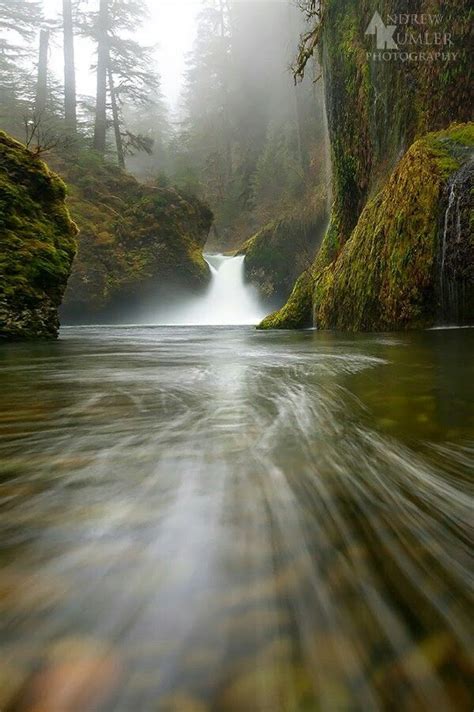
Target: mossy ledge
37	244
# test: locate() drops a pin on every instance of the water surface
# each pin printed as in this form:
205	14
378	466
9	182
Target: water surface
218	519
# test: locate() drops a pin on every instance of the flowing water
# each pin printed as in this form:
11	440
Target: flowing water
228	300
455	283
223	520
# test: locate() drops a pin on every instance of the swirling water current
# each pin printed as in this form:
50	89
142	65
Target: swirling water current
221	520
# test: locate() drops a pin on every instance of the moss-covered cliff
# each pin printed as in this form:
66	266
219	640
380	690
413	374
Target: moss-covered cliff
377	108
135	239
37	244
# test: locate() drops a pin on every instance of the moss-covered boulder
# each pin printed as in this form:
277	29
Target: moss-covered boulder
135	240
409	262
278	253
37	244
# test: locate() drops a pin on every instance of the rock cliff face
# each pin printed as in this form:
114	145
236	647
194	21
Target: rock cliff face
37	244
135	241
278	253
382	112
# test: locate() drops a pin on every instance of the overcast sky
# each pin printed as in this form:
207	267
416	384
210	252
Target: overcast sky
171	26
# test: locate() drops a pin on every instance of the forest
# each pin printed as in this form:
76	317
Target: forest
236	375
248	142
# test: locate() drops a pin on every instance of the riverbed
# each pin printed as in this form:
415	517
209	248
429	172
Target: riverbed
217	519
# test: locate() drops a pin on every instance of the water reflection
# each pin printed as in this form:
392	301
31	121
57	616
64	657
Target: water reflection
209	520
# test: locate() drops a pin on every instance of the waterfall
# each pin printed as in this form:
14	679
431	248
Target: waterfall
229	300
452	196
455	285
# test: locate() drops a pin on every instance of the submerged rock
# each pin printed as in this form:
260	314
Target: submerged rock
37	244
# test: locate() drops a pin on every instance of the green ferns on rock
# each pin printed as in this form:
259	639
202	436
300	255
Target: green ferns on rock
37	243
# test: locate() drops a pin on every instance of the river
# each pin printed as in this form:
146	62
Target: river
215	519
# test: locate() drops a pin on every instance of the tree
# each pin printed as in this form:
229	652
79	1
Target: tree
131	83
209	99
20	17
42	82
101	31
70	106
248	132
313	11
153	154
123	71
116	120
19	20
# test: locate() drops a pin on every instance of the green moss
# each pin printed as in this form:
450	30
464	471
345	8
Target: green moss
134	238
376	110
297	312
385	275
284	248
459	133
37	241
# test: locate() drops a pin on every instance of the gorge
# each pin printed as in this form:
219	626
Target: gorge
238	476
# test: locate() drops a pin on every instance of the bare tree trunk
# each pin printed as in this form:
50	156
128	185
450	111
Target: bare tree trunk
42	83
225	100
100	128
116	120
69	69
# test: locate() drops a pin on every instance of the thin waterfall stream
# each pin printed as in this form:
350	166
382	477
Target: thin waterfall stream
454	276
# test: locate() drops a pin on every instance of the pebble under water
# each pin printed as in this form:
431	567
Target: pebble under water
223	520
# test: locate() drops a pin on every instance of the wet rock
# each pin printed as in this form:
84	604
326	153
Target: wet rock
137	244
267	689
77	674
181	702
37	244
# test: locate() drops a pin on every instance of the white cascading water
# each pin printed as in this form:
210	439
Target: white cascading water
229	300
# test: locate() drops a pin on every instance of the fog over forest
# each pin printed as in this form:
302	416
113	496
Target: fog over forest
202	92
